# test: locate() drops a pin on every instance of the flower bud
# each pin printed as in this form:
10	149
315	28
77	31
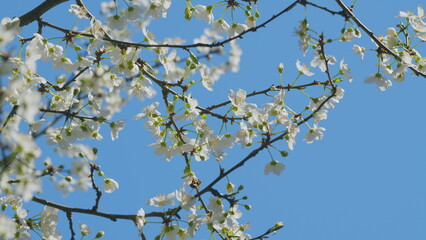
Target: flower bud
100	234
280	68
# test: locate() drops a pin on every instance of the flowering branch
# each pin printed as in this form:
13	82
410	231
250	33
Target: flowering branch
103	74
183	46
382	47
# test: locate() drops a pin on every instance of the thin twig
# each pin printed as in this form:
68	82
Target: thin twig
69	217
95	187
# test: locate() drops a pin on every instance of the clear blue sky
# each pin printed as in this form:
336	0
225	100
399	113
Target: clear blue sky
365	180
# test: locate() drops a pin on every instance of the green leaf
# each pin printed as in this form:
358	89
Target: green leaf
193	57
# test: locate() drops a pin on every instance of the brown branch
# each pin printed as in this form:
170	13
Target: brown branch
36	13
112	217
69	216
93	167
209	45
271	88
342	13
69	114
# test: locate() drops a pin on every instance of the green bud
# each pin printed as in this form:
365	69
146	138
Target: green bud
188	13
99	234
284	153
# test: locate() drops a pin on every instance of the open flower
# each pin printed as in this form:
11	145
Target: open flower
110	185
381	82
313	134
162	200
303	69
274	167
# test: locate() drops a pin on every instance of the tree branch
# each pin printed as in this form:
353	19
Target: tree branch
373	37
36	13
112	217
69	216
209	45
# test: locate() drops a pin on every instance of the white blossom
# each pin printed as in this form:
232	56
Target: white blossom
7	227
115	128
9	28
321	61
345	71
110	185
315	133
220	26
49	221
381	82
303	69
274	167
140	220
203	12
359	50
80	12
84	229
161	200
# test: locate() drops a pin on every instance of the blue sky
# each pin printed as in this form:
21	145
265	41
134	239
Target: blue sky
365	180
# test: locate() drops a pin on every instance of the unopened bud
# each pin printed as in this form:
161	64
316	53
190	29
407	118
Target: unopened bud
280	68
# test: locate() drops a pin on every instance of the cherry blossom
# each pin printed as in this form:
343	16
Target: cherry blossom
321	62
102	64
9	29
315	133
221	26
274	167
140	220
381	82
110	185
359	50
303	69
7	227
49	221
204	12
85	230
162	200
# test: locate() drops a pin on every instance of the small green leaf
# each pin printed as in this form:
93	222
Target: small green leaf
336	80
193	57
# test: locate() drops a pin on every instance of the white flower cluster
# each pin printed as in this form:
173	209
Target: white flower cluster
407	56
114	60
